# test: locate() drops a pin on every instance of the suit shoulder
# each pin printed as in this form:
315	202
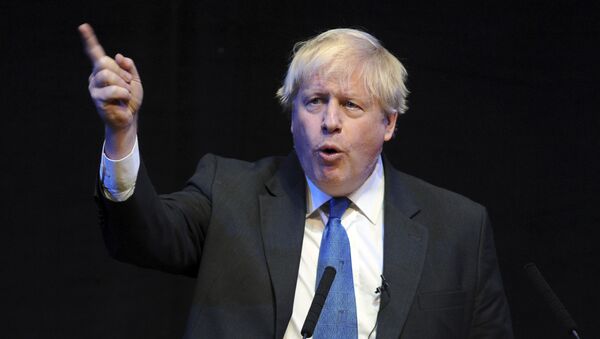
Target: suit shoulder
267	164
439	199
235	171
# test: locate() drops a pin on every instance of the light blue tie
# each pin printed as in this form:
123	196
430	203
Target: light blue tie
338	318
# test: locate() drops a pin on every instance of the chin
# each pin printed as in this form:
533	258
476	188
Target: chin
335	181
335	187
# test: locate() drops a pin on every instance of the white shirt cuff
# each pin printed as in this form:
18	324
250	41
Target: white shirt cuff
118	176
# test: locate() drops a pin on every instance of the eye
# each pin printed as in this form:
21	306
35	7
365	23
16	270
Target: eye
314	101
352	106
314	104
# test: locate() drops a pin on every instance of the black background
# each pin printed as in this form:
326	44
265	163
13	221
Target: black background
503	109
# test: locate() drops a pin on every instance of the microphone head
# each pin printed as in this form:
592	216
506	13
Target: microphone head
540	284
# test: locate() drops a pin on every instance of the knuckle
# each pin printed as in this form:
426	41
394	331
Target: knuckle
103	75
97	97
115	91
97	81
105	62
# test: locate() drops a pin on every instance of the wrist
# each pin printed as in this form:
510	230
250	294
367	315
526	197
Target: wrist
119	142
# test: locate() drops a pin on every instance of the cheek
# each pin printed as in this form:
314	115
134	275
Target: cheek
367	148
301	139
368	143
303	131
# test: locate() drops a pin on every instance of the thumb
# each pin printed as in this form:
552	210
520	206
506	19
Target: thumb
128	65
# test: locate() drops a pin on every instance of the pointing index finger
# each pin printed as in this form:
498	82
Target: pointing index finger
92	47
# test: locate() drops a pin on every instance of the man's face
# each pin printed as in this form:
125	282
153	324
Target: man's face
338	131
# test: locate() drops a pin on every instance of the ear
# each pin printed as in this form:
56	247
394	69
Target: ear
390	127
292	114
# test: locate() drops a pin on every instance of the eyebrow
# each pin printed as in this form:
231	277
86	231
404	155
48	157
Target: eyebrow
320	92
365	100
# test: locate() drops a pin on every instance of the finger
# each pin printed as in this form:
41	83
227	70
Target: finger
92	47
109	63
106	78
128	65
110	94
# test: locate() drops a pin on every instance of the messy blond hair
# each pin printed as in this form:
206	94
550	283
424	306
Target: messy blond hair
344	51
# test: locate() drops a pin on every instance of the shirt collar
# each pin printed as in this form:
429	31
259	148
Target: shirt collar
368	198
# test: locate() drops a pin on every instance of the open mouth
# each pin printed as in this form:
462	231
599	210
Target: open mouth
329	150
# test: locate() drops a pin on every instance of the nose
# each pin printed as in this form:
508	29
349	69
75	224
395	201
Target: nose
331	118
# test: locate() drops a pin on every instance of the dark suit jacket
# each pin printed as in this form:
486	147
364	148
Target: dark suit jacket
238	228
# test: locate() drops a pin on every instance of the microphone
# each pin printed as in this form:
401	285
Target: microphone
318	301
385	299
384	286
551	299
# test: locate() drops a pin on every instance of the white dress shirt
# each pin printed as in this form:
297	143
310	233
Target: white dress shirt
118	176
363	221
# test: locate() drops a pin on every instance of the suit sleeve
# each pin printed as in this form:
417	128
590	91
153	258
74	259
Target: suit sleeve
491	315
164	232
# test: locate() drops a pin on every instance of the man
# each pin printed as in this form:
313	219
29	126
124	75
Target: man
412	260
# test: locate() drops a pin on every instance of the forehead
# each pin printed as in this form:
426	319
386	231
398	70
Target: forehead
337	82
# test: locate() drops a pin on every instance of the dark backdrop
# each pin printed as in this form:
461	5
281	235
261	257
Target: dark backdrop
504	109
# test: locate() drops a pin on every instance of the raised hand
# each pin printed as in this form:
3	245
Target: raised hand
116	89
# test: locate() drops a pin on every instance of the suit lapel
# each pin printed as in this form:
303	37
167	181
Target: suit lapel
404	248
282	212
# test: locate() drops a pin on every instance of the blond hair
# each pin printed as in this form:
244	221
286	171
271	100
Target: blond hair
345	51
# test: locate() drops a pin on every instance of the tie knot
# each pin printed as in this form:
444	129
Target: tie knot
337	207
